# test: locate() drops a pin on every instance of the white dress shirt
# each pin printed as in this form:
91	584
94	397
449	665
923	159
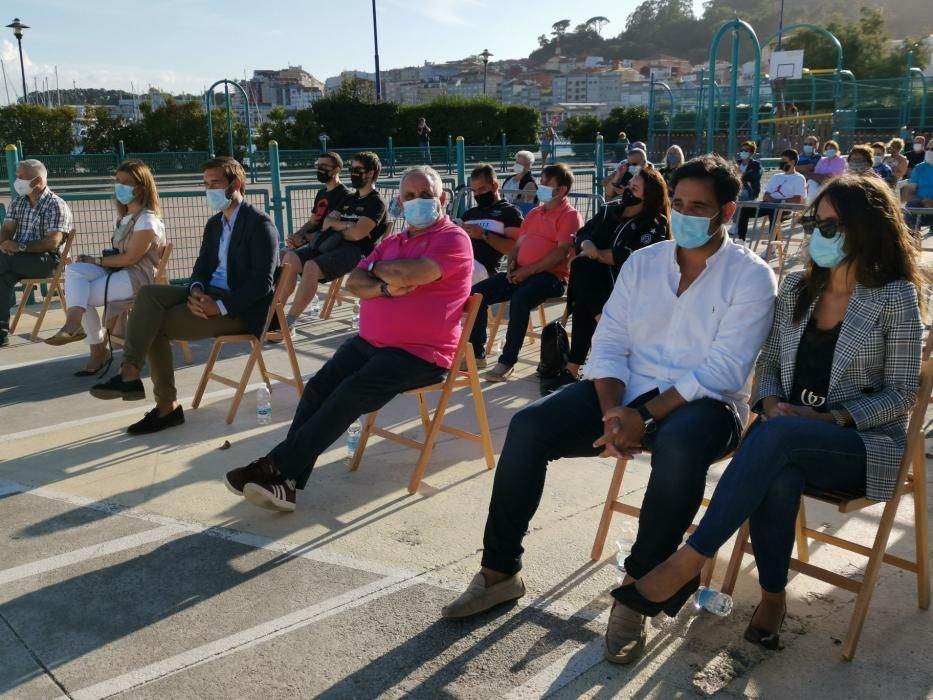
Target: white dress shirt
703	343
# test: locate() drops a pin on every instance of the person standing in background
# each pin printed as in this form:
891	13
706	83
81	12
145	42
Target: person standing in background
424	139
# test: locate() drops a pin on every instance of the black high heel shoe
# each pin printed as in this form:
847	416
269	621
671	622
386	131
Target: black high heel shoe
765	638
629	596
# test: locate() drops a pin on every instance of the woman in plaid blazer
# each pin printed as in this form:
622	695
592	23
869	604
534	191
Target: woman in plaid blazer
836	380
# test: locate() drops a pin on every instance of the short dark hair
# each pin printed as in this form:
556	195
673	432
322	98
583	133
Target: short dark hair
559	173
790	154
370	161
232	168
484	171
862	151
334	158
878	144
715	169
750	146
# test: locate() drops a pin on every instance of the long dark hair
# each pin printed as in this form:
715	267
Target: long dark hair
878	243
657	203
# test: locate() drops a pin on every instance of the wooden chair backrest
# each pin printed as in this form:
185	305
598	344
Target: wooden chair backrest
470	311
279	297
161	272
63	258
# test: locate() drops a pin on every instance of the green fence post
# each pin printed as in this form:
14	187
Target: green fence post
503	152
461	162
121	150
276	188
19	150
598	178
449	155
12	160
391	148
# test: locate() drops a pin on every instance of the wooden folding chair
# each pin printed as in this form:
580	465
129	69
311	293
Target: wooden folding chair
496	320
433	425
911	479
277	311
122	309
53	284
334	297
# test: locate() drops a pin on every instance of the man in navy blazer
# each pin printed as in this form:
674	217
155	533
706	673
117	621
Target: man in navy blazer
229	292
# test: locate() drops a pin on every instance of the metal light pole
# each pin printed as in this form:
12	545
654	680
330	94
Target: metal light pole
376	45
485	56
18	28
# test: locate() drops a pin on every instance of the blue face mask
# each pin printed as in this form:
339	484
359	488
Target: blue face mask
545	193
744	155
808	150
830	153
690	231
826	252
217	200
123	193
420	213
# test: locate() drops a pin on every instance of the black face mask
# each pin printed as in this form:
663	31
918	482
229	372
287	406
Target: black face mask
357	180
629	199
323	176
486	199
785	167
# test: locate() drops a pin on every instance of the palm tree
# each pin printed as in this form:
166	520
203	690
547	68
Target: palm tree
596	23
560	28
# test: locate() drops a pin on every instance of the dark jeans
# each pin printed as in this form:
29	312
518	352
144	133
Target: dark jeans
358	379
522	298
19	266
764	482
565	424
591	284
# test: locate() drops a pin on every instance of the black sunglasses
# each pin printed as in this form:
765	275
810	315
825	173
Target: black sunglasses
827	228
358	171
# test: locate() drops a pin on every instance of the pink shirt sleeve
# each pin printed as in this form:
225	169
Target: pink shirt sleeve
568	226
450	250
376	255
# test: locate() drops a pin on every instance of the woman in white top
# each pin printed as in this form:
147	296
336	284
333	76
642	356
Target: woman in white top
521	187
136	246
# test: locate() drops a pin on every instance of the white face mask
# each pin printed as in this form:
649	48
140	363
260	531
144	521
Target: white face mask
918	147
928	157
518	168
634	170
23	187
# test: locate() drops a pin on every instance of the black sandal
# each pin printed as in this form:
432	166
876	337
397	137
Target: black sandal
99	371
765	638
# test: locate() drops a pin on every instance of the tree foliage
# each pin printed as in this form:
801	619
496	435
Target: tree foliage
583	128
42	130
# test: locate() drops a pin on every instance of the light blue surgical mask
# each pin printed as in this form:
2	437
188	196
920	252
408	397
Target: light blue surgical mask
808	150
826	252
545	193
420	213
830	153
123	193
217	200
690	231
744	155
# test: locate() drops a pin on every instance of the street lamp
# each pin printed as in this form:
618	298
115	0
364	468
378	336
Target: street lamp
485	56
18	28
376	46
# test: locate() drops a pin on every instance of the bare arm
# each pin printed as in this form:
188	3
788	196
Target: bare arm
407	273
7	230
548	261
350	231
52	240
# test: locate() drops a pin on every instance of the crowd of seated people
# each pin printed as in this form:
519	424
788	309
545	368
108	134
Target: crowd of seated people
670	315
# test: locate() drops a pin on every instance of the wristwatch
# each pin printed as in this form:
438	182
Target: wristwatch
21	246
650	424
371	270
839	418
384	290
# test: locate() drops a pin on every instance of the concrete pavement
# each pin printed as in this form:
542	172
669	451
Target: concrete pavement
129	570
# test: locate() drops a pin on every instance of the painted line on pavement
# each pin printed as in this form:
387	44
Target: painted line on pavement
77	556
100	417
241	641
560	673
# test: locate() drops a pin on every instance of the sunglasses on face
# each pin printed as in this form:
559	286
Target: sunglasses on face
828	228
358	171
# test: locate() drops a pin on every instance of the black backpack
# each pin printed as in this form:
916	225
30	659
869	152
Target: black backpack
555	350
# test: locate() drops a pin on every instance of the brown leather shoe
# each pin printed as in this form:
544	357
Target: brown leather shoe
626	634
478	598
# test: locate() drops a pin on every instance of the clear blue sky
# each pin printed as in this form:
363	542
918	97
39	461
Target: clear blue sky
184	45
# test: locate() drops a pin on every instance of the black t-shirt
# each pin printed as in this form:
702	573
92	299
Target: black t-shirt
508	214
814	363
372	206
914	159
326	201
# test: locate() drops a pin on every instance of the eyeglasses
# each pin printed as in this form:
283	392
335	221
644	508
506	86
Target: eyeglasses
828	228
358	171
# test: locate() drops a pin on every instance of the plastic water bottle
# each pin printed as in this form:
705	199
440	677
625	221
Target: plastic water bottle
263	405
355	321
353	438
315	311
624	547
712	601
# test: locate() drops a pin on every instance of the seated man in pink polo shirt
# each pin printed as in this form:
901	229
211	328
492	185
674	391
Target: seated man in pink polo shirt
413	288
539	265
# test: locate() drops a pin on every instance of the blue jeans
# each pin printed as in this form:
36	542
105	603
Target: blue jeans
565	424
426	153
522	298
776	461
